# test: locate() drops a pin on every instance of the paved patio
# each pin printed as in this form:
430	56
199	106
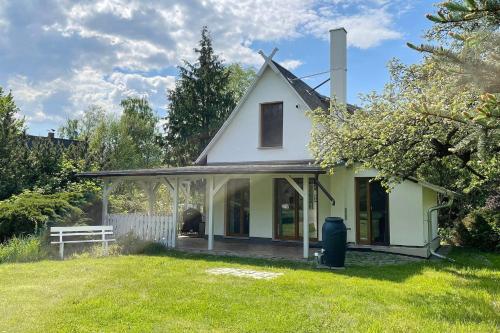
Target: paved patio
284	251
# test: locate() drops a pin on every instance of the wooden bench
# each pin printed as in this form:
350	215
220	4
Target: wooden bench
87	234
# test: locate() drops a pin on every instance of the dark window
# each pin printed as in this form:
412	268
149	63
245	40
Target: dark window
271	125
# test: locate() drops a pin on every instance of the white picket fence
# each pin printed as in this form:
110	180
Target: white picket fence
157	228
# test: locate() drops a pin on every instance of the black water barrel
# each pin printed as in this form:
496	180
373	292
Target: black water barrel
334	234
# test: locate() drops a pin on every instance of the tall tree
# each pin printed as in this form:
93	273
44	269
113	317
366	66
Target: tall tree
139	135
13	152
199	104
128	142
469	30
240	79
433	119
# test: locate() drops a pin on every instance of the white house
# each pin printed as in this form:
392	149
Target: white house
262	182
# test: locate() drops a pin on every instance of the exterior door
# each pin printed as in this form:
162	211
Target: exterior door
238	207
288	211
372	213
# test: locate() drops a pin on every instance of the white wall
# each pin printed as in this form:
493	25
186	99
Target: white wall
261	206
430	199
408	204
240	140
406	225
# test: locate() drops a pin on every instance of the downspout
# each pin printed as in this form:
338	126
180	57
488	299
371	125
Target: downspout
429	226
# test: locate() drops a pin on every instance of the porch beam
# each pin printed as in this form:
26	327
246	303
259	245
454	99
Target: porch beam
305	210
150	187
168	183
184	188
219	186
325	191
295	185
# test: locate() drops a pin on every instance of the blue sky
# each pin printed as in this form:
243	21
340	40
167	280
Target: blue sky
60	56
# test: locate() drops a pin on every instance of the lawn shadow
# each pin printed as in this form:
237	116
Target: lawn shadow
393	273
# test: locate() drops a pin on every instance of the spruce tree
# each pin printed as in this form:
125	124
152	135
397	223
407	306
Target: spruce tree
199	104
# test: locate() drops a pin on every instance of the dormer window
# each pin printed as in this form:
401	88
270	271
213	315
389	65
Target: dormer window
271	125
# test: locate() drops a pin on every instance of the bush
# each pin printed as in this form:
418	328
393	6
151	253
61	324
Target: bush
23	249
30	212
479	229
131	244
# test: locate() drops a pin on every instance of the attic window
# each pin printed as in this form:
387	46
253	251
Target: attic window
271	125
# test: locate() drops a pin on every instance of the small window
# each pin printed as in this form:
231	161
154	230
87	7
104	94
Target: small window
271	125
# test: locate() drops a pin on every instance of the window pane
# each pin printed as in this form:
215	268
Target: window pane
271	125
286	208
363	208
238	207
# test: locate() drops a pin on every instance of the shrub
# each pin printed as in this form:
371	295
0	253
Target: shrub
480	229
23	249
154	248
131	244
30	212
93	251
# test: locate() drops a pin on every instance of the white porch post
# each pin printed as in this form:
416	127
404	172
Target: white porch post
105	192
305	210
175	210
210	185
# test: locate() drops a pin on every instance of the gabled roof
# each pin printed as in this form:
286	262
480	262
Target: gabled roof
311	97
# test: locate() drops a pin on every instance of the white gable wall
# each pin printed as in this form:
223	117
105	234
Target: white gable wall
239	142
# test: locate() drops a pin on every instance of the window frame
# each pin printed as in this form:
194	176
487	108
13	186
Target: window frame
261	111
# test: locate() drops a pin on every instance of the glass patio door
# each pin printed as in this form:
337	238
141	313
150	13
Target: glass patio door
372	213
288	211
238	207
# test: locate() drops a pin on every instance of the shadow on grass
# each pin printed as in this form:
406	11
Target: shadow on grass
393	273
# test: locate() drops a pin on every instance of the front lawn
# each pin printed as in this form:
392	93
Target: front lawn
175	293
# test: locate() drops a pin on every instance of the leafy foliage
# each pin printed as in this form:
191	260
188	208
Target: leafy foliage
398	134
480	229
202	99
31	212
440	116
128	142
13	153
438	120
240	79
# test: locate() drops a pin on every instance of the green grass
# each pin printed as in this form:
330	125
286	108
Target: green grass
23	249
173	293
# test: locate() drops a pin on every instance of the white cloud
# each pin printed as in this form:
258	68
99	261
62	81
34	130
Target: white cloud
291	64
94	88
364	30
77	53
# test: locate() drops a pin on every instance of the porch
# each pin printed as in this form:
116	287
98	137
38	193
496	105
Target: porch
301	179
290	251
265	249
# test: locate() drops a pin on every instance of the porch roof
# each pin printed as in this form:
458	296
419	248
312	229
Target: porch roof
211	170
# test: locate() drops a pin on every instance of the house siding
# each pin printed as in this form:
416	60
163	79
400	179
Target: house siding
408	204
430	199
239	142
